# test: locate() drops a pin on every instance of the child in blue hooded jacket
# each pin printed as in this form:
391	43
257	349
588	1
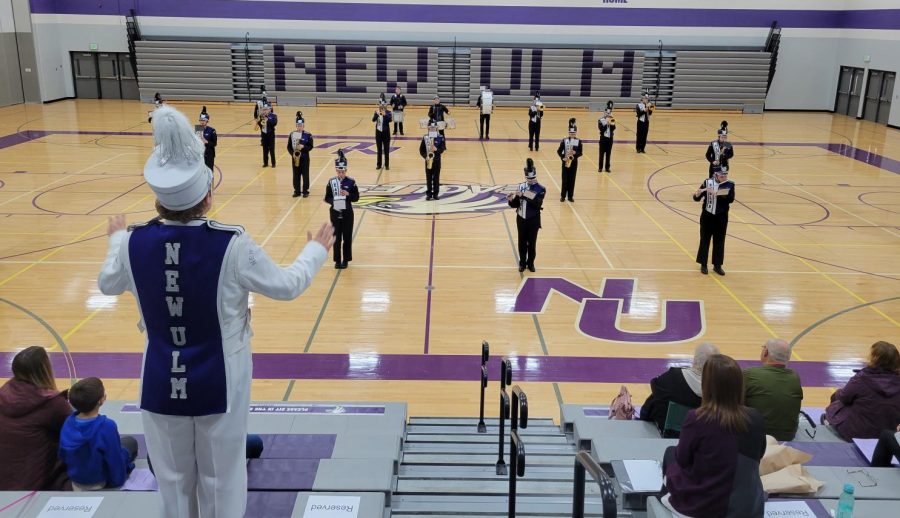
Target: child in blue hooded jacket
89	444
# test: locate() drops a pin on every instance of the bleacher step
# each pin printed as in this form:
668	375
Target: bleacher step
482	472
487	487
476	448
476	438
472	430
482	459
435	506
473	421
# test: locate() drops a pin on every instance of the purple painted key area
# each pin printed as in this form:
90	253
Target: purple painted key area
281	474
831	453
433	367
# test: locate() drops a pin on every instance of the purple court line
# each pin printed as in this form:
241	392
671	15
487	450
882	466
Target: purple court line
430	287
880	161
117	197
15	503
437	367
751	209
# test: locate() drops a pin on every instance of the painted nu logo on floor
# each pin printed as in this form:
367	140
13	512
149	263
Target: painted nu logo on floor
598	317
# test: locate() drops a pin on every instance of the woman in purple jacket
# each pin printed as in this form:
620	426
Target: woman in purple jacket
714	470
32	412
870	401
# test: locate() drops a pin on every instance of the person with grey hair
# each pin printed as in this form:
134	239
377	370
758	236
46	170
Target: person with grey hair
680	385
775	390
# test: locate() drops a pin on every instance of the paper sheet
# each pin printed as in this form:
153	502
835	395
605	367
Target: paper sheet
66	506
797	508
645	475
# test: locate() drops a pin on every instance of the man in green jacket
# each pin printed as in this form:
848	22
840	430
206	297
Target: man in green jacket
775	390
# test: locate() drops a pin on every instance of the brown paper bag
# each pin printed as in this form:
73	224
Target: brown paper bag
792	479
778	457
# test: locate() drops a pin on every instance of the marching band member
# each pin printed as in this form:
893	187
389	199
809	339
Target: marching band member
398	104
157	102
486	106
431	148
341	193
643	111
382	119
527	201
717	194
210	140
570	148
719	151
192	277
607	126
300	143
437	111
535	114
266	123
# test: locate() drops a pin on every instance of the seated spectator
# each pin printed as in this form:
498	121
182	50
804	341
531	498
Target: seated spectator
870	401
886	447
775	390
90	445
679	385
714	470
32	413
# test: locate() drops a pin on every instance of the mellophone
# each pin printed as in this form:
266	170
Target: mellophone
448	123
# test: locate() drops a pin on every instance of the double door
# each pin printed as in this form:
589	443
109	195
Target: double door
104	75
849	91
879	90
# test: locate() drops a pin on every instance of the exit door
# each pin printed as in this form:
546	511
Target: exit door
879	90
106	75
849	91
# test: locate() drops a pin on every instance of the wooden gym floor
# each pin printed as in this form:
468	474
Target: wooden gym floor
812	253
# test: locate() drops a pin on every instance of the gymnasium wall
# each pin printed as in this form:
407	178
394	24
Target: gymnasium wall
15	24
818	36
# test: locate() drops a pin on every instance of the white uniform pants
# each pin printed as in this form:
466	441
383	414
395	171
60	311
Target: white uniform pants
200	462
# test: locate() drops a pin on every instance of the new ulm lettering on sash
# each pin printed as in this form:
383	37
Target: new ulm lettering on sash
179	333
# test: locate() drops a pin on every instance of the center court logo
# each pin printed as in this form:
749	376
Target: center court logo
456	200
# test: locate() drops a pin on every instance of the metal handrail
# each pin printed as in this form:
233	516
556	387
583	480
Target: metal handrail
516	467
519	409
584	462
505	379
485	355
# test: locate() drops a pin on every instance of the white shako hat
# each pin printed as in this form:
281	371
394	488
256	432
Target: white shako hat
175	170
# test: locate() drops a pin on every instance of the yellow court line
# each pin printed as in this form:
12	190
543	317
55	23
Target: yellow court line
501	267
687	253
824	274
293	205
57	250
823	200
64	177
575	211
96	311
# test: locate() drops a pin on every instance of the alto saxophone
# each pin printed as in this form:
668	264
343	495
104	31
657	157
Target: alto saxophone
261	122
296	146
429	156
570	154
